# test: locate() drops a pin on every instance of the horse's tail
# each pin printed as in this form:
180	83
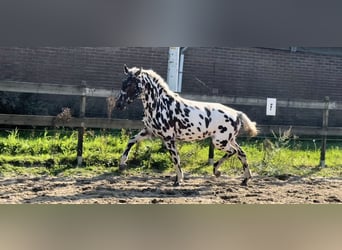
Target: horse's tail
248	125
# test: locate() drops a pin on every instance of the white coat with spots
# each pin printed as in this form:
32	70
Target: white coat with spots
171	117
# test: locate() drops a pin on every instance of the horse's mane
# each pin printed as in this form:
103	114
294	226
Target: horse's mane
160	80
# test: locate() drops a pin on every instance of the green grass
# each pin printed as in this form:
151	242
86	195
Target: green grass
54	153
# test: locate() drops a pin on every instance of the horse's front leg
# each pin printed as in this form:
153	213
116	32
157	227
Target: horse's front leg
171	146
143	134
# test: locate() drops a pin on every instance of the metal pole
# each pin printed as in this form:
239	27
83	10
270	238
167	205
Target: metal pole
324	129
180	70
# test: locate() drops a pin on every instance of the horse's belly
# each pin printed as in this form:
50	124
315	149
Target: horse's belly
193	134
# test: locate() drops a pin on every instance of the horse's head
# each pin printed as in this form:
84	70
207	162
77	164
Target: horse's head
131	87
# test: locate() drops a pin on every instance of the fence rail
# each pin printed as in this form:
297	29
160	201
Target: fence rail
55	89
83	90
105	123
74	122
82	122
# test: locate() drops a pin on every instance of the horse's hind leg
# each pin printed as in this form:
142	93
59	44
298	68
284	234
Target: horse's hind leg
143	134
230	152
242	157
232	148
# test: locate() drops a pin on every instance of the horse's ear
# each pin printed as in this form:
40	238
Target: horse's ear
126	71
138	72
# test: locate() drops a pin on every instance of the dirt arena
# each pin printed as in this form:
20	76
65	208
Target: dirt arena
158	189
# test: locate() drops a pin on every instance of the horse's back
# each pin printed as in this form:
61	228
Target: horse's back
199	120
211	109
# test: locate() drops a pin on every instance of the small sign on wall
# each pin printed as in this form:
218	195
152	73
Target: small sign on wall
271	106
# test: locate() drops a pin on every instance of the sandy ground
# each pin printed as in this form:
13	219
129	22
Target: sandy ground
158	189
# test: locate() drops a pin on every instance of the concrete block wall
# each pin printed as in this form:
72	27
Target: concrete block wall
245	72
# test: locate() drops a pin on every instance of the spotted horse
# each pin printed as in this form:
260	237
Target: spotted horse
171	117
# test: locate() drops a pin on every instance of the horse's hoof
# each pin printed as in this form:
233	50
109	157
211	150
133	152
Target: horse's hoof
173	178
176	184
244	182
122	167
217	174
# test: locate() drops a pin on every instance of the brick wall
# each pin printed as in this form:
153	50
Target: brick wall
258	72
98	66
246	72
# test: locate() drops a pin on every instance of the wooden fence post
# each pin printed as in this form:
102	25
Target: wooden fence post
211	153
324	130
81	129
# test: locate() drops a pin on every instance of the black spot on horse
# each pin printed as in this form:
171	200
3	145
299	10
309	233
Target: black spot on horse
164	121
222	129
172	123
156	126
168	101
149	108
234	123
207	121
170	114
167	138
223	143
230	136
181	125
186	112
152	95
208	111
199	129
178	108
201	116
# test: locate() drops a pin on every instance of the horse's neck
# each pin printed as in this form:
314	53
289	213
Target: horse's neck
154	93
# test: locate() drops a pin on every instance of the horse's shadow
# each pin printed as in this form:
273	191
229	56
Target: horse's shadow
120	189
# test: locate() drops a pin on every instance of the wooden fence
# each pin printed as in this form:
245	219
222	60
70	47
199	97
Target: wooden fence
82	122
